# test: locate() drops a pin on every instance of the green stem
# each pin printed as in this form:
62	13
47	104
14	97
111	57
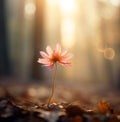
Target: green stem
53	86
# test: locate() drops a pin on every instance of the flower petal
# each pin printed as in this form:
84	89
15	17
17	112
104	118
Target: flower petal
65	63
49	50
58	48
67	56
64	53
50	66
43	54
43	61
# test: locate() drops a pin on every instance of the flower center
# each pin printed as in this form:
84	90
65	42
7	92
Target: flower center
55	59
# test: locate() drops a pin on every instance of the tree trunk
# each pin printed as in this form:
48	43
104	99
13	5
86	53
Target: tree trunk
4	60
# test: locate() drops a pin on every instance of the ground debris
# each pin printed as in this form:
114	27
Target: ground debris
19	105
22	109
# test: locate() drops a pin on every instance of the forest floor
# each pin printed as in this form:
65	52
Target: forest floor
21	102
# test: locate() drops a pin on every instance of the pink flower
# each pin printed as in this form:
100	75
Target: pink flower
53	56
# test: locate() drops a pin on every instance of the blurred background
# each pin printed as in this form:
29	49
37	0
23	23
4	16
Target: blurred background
89	29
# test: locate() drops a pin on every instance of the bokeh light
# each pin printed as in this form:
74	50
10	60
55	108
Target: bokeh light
29	9
109	53
68	33
67	6
115	2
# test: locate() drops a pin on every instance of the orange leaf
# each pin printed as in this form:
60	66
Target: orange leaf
104	107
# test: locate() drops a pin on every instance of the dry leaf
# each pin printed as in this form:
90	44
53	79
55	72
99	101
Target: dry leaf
104	107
